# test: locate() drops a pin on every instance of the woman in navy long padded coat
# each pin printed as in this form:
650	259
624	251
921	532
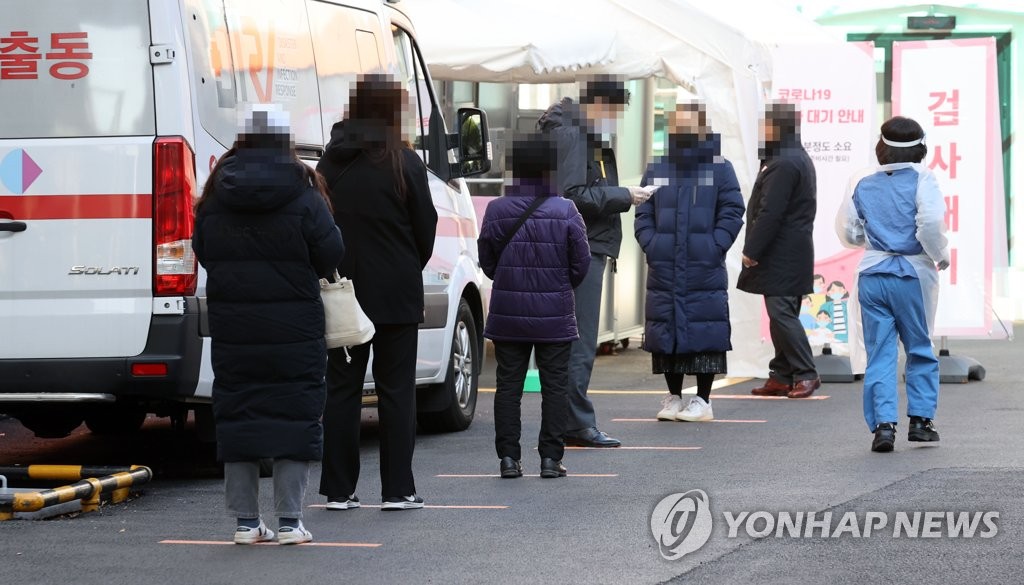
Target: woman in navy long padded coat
685	229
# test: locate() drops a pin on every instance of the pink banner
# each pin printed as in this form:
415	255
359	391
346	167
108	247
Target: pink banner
834	85
950	88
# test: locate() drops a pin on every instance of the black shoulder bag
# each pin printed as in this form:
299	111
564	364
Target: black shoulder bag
515	229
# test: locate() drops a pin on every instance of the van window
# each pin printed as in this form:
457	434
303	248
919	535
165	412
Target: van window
410	67
73	69
344	47
254	51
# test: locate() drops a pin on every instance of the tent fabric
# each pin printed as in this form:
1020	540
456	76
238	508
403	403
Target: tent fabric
721	51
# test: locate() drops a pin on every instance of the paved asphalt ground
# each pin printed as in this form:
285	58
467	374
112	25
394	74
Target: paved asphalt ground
806	456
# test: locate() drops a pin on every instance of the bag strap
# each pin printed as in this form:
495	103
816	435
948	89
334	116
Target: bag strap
334	183
537	201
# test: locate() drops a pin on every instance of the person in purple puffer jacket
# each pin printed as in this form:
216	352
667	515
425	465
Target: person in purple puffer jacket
533	244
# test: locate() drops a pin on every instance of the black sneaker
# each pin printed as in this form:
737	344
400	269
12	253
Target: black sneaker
885	438
412	502
922	430
550	469
343	503
510	468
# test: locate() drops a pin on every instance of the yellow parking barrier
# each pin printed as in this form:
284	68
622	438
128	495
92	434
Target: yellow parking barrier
117	484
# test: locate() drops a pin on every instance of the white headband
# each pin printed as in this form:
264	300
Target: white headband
902	144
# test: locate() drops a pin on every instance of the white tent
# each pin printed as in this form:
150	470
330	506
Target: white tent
719	50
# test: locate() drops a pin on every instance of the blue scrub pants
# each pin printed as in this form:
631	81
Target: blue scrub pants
891	305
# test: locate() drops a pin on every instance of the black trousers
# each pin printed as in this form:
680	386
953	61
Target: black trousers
793	360
394	375
553	365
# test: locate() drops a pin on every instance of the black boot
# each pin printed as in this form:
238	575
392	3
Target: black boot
511	468
922	429
885	438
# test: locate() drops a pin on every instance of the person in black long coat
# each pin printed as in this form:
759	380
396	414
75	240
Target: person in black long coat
265	235
382	203
778	252
685	230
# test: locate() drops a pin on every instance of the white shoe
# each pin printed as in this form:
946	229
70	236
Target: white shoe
671	406
246	535
293	534
696	411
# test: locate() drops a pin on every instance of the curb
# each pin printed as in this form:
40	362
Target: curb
115	482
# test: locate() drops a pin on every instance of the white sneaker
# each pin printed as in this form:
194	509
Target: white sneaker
348	503
696	411
293	534
671	406
246	535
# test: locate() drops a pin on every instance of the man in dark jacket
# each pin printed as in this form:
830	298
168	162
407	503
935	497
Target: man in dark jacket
533	244
778	253
588	176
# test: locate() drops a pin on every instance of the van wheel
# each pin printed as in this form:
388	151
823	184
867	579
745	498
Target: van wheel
51	425
460	385
116	420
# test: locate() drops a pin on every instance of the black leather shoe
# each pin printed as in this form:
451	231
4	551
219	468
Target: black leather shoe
550	469
590	438
511	468
922	430
885	438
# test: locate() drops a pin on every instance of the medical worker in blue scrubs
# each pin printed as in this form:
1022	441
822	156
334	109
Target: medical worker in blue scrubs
897	214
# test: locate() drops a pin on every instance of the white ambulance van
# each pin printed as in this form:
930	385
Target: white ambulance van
113	114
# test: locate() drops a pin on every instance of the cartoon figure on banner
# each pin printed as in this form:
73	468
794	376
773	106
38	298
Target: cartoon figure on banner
837	309
822	332
807	313
818	296
824	314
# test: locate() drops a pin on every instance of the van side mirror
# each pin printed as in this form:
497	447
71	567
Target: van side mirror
474	145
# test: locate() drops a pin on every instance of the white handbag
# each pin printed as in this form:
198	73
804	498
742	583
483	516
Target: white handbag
346	323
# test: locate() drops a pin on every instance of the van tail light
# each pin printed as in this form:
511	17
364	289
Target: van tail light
174	185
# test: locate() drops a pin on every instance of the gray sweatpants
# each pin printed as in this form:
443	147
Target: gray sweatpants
242	488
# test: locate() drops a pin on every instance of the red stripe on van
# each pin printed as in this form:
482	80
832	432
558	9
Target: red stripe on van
27	207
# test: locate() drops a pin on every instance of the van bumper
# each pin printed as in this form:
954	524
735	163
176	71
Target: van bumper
174	340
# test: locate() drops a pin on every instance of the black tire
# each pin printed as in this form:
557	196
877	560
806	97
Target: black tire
115	420
624	343
56	424
461	382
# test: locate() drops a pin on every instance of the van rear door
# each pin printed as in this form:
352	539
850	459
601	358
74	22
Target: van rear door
76	178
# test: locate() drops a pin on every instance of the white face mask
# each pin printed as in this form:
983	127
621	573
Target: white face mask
606	126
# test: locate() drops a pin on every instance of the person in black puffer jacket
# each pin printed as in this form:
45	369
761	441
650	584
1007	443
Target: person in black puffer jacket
265	235
685	230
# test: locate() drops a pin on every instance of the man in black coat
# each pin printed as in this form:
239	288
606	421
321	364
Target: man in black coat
587	174
778	252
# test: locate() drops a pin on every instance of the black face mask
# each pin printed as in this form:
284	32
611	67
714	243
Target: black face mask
679	142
